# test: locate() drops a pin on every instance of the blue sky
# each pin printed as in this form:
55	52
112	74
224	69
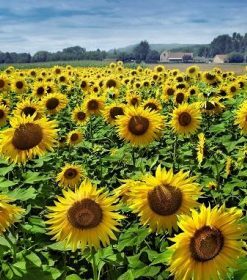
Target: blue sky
29	26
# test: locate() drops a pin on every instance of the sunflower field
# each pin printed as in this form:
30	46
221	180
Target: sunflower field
123	173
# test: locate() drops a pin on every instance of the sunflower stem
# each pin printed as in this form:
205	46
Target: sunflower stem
133	156
94	265
175	152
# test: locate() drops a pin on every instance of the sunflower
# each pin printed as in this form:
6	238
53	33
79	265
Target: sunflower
79	116
84	217
112	111
74	137
241	118
70	176
9	213
93	104
193	90
111	83
19	85
54	102
212	106
159	199
152	104
180	96
186	119
4	83
27	138
209	244
133	99
39	89
140	127
3	114
233	88
192	71
209	77
168	91
29	107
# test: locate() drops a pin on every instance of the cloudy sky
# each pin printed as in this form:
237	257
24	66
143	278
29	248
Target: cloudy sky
31	25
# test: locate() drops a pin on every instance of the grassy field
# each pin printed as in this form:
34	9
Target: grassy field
237	68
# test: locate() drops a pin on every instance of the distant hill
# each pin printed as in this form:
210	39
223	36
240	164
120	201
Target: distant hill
158	47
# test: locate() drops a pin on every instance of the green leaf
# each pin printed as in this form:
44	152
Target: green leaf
23	194
7	169
128	275
33	177
73	277
6	183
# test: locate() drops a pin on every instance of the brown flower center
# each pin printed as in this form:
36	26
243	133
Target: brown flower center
57	71
49	89
2	83
116	111
93	105
134	101
138	125
170	91
111	83
83	84
210	77
81	116
74	137
85	214
40	91
70	173
206	243
180	97
165	200
27	136
233	89
28	111
151	105
19	84
52	103
2	114
209	106
184	119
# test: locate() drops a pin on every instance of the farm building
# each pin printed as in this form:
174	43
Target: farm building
220	58
168	56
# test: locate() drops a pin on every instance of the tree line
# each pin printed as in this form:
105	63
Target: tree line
235	45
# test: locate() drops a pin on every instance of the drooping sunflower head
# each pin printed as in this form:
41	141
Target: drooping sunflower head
4	111
26	138
29	107
209	244
70	176
186	119
9	213
74	137
79	116
159	199
212	106
84	217
54	102
93	104
112	111
140	127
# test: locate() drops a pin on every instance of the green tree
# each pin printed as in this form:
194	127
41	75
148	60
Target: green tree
141	51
